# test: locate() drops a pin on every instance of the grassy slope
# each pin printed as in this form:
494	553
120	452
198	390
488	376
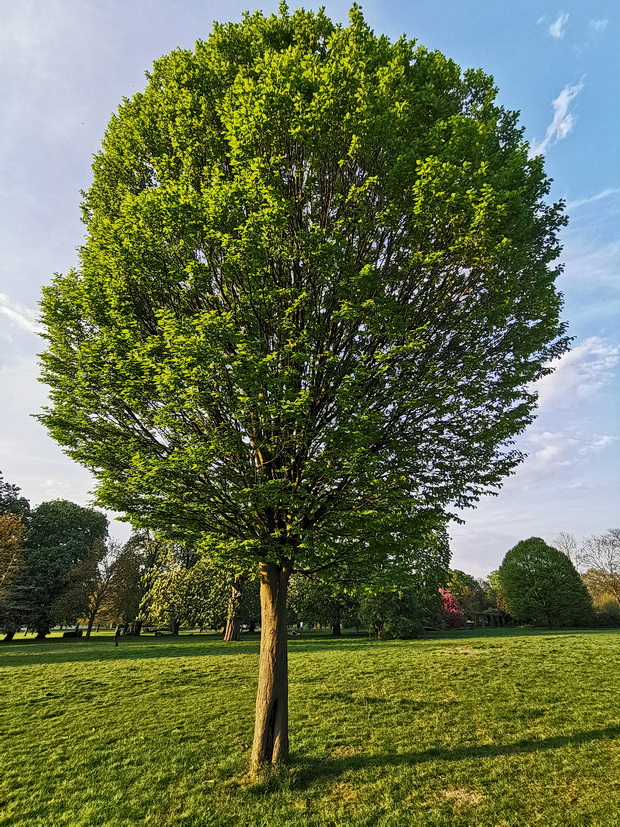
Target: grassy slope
490	728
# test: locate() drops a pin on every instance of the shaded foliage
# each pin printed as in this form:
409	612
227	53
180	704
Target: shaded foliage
469	592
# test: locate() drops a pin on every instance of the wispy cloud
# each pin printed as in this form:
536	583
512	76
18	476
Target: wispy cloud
19	314
571	205
579	373
596	26
561	449
557	28
563	121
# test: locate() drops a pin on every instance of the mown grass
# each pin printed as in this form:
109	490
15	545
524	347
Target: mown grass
506	727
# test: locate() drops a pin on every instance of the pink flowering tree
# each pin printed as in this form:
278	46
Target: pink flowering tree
454	616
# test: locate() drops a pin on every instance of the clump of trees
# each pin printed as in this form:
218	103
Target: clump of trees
539	584
49	559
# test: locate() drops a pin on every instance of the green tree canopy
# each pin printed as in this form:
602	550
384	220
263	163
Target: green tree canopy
468	591
60	537
540	584
10	500
315	601
316	286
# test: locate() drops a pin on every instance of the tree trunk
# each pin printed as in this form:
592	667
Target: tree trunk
175	625
89	628
137	628
336	628
271	725
9	636
233	621
251	627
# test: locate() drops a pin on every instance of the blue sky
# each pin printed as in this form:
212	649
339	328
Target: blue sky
66	66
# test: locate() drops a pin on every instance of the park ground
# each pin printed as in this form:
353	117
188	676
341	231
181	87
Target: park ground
489	727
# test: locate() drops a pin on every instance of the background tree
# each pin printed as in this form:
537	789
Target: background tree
402	596
315	290
392	613
12	558
10	500
83	584
101	587
600	555
333	603
469	593
540	584
131	573
495	598
60	536
453	614
604	600
243	605
567	544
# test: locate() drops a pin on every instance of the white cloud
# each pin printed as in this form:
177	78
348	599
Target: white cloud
571	205
597	26
556	29
19	314
592	275
561	449
552	449
563	121
579	373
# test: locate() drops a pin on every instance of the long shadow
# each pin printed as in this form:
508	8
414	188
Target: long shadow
57	651
313	770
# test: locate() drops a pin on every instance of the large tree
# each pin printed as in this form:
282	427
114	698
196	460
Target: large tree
61	540
316	287
541	585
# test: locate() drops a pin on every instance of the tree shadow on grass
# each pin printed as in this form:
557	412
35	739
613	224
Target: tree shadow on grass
54	650
313	770
58	650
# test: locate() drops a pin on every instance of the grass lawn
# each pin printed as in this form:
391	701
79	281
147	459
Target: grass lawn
497	727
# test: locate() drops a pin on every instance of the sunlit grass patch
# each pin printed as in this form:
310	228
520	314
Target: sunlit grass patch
509	727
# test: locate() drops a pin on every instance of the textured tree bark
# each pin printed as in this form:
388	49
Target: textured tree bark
233	621
91	621
271	724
